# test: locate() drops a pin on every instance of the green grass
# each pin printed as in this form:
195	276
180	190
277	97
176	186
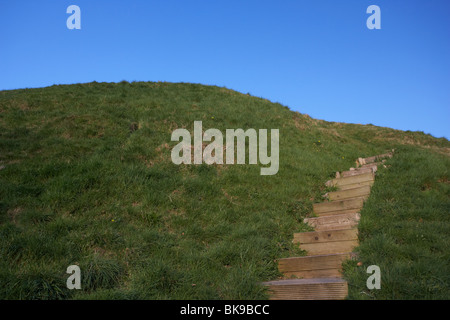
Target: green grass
87	179
405	230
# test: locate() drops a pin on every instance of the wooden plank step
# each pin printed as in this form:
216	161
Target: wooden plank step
362	191
343	246
356	185
368	160
338	207
325	236
385	155
351	179
337	212
308	289
334	222
374	166
319	273
358	171
318	266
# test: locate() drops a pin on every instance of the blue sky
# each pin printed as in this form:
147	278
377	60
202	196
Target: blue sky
316	57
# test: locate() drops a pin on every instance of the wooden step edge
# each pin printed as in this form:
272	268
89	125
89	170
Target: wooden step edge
325	236
338	205
337	182
350	197
317	262
328	227
356	185
318	266
342	246
337	212
374	159
308	289
316	273
284	282
349	254
371	165
333	222
357	171
353	179
362	191
334	218
359	186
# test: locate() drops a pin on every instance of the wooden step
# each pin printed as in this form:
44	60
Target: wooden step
356	185
325	236
361	162
373	166
343	246
351	179
368	160
319	273
362	191
337	212
327	242
351	185
358	171
308	289
319	266
338	207
334	222
385	155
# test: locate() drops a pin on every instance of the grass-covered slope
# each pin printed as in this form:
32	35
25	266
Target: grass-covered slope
405	230
86	178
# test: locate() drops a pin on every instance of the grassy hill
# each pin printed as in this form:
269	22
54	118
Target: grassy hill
86	178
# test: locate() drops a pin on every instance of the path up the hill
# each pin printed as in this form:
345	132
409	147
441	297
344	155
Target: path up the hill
318	275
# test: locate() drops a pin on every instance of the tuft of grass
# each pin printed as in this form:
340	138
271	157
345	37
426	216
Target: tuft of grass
101	273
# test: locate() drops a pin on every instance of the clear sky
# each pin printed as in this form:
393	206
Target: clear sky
317	57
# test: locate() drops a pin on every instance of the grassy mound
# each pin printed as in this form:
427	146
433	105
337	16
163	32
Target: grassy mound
86	178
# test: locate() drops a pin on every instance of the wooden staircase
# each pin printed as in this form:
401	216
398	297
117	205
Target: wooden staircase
318	275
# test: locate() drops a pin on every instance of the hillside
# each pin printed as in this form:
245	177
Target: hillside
86	178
